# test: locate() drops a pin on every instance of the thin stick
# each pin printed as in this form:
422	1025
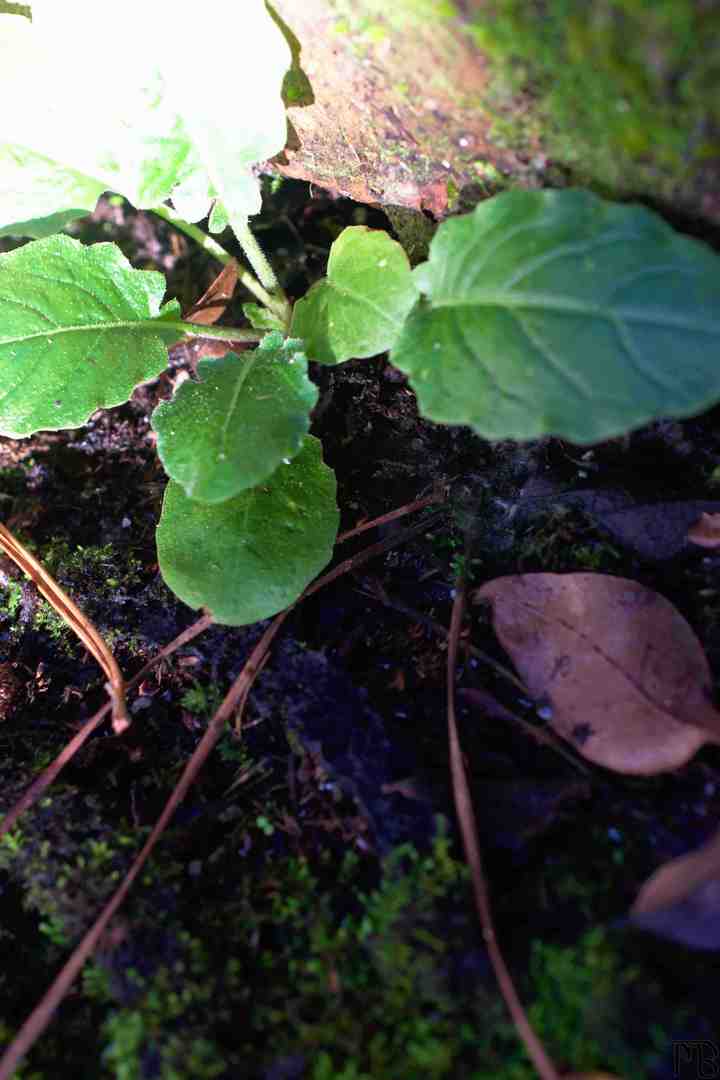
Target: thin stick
371	552
42	782
468	829
73	616
392	515
540	735
213	333
42	1014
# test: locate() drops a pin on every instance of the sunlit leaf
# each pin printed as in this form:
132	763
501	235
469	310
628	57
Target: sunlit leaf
358	309
128	119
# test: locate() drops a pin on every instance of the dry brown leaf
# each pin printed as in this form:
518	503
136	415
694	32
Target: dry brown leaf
678	878
706	531
216	298
681	900
625	676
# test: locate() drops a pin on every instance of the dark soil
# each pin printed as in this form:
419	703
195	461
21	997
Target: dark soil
307	914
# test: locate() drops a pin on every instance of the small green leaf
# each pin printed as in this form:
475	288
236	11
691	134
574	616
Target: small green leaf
248	558
245	417
359	308
219	220
556	312
79	330
260	318
39	228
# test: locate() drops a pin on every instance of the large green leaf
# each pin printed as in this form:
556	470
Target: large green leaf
128	119
236	117
37	196
249	557
107	123
79	330
239	423
555	312
359	308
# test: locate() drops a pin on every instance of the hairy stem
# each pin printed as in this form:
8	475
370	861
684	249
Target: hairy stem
256	257
216	333
217	251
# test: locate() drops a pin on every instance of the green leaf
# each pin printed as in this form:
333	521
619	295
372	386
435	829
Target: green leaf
249	557
218	221
38	196
244	418
38	228
79	330
107	125
129	120
260	318
359	308
555	312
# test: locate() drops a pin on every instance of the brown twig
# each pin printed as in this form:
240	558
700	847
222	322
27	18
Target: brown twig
468	829
49	774
392	515
68	610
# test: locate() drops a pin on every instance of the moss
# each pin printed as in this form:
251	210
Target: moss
565	539
622	94
12	600
577	1011
93	575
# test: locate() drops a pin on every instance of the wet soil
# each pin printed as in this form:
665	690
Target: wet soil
343	751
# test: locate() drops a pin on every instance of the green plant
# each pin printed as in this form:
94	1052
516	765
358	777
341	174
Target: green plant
542	312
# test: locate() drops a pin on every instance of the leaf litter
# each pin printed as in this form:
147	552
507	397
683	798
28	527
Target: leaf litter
625	678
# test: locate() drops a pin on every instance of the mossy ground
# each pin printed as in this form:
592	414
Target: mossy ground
271	936
623	92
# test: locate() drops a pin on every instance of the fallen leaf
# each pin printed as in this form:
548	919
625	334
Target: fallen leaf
626	679
706	531
681	900
657	530
216	298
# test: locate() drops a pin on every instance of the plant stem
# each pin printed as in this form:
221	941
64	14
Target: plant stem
217	251
216	333
256	257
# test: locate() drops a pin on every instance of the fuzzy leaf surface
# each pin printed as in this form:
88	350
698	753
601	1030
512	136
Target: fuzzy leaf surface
556	312
38	197
249	557
128	120
234	428
359	308
79	330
